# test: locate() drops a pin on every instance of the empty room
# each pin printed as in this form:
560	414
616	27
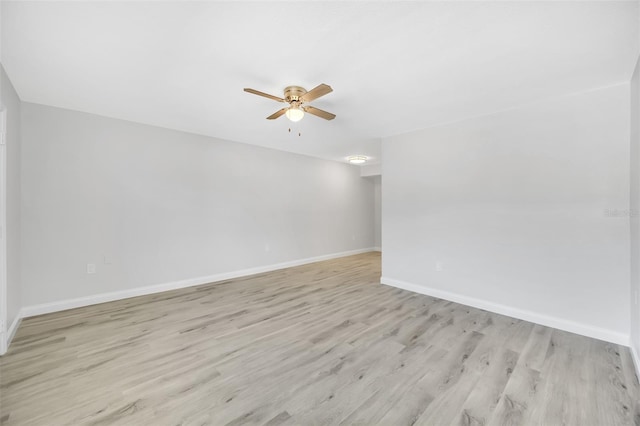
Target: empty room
319	213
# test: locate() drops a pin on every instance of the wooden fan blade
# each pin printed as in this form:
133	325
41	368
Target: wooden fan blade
320	113
266	95
277	114
316	92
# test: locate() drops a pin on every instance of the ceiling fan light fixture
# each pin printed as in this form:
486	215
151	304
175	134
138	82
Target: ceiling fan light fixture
357	159
294	114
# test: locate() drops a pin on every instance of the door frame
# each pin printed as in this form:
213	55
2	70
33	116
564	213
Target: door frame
3	231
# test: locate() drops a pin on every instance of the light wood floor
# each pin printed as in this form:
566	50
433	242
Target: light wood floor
317	344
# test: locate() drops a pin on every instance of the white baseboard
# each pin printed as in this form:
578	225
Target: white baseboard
62	305
377	249
549	321
4	346
13	328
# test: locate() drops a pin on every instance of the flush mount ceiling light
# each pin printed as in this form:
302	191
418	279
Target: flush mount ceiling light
357	159
297	98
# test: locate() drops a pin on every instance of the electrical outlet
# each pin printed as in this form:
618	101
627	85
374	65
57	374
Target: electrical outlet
438	266
91	268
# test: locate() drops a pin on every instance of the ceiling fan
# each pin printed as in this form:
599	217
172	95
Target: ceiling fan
298	98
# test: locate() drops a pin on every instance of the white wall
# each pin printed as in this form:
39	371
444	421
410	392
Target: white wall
149	205
377	215
635	209
526	209
10	100
371	170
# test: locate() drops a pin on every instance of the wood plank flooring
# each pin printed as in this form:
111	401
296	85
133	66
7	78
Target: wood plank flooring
320	344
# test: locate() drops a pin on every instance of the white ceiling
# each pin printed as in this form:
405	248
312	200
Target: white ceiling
394	66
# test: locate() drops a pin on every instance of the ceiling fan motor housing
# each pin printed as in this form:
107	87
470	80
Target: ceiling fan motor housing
293	93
